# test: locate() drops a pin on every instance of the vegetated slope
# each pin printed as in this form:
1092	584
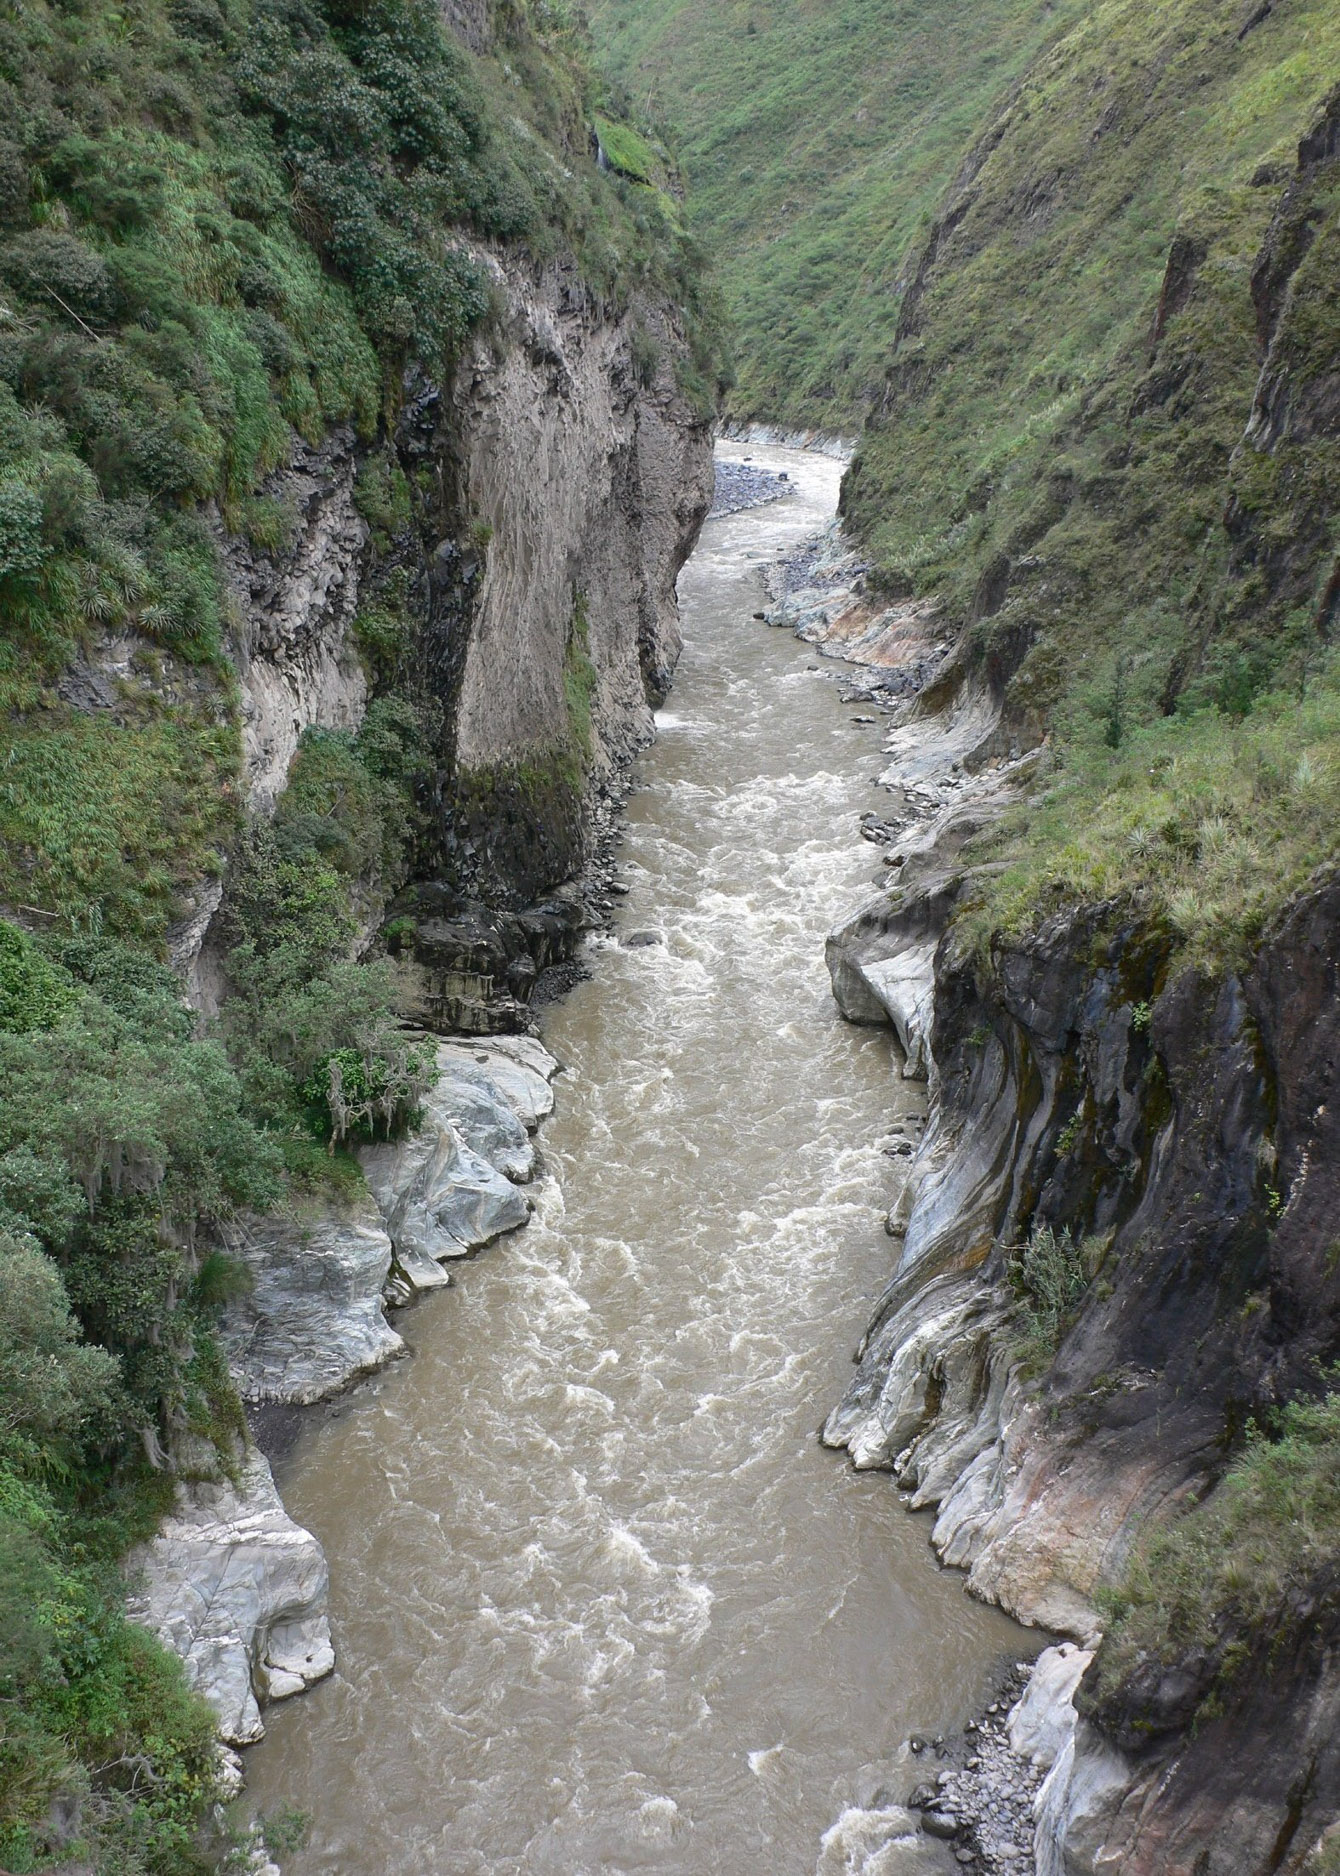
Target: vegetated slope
1109	445
227	232
818	137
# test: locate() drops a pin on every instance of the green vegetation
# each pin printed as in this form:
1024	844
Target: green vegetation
1061	237
312	1031
818	137
579	682
1243	1567
1060	457
104	824
222	221
1212	821
629	153
1048	1275
123	1140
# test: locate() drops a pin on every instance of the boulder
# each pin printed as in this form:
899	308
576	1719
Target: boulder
439	1199
451	1187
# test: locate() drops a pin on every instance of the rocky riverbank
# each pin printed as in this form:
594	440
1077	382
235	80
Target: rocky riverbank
742	485
230	1581
1078	1083
778	436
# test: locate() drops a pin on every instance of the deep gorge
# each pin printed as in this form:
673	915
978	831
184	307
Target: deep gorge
422	837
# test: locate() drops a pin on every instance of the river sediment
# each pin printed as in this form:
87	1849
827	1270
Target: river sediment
600	1601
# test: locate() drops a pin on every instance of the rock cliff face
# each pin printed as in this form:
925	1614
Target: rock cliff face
1168	1125
295	654
592	477
586	476
239	1591
559	484
567	480
1181	1127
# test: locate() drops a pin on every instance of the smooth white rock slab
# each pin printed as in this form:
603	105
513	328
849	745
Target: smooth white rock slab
451	1187
238	1590
905	985
1079	1800
438	1198
313	1320
516	1069
1042	1721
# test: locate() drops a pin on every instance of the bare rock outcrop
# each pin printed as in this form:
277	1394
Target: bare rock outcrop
322	1274
311	1321
1181	1127
295	657
238	1590
230	1581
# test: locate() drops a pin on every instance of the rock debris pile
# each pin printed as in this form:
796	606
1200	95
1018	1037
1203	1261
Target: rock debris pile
742	485
982	1801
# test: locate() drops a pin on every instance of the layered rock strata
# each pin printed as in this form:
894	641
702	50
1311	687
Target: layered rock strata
1178	1128
1174	1128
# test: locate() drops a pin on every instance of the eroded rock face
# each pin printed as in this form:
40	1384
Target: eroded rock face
453	1186
298	666
470	968
312	1321
568	488
592	476
238	1590
1081	1079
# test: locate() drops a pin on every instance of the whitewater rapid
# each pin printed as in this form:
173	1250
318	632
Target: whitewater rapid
601	1602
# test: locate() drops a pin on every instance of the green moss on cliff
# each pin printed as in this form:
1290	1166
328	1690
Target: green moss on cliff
105	822
1242	1571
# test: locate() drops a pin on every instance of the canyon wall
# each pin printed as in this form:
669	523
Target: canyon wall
584	480
1145	1111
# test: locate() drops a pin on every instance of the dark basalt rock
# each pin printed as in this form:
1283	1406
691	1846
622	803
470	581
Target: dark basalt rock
470	967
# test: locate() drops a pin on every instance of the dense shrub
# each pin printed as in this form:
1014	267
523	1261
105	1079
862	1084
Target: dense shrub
51	1382
105	1755
1048	1276
123	1142
312	1029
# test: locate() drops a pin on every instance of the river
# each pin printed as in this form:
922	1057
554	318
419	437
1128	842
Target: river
600	1600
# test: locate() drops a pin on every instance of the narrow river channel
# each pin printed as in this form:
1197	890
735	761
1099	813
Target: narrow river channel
601	1601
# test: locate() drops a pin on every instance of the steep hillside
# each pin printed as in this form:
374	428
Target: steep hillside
818	137
1100	499
336	379
1107	447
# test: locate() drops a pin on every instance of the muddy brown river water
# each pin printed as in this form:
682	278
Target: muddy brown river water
601	1602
